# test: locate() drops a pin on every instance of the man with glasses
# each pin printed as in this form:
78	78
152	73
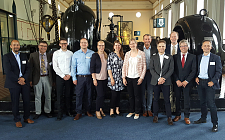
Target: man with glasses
80	71
184	73
62	66
41	78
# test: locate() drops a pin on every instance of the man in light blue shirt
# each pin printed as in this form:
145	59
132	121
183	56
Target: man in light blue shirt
147	99
80	71
208	75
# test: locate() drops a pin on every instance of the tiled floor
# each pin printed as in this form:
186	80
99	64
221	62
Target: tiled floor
4	92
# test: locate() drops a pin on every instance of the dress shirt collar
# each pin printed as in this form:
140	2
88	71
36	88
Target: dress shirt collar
148	47
184	55
162	54
15	53
175	45
41	54
83	52
206	55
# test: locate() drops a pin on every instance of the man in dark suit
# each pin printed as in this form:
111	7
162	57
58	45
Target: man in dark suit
41	78
173	49
161	68
147	99
16	68
184	73
208	74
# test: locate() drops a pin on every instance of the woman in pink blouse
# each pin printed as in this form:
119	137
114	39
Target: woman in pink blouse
133	73
98	68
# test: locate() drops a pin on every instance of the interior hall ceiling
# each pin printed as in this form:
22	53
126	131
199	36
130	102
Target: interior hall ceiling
71	1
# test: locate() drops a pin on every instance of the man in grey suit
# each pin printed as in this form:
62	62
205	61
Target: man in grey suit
41	77
161	68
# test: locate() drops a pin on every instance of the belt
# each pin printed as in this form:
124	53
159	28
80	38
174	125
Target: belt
84	75
147	70
44	75
203	79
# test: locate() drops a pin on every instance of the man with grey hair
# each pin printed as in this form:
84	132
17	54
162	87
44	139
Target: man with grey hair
184	73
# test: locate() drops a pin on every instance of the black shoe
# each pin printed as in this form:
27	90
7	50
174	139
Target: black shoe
48	115
36	116
120	114
200	121
215	128
69	114
112	115
59	118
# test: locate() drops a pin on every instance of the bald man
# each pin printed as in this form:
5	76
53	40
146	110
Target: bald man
16	68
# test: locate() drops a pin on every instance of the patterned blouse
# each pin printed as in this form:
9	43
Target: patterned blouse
115	64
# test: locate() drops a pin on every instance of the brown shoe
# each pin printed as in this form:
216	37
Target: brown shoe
99	117
177	118
89	114
19	124
150	113
28	121
77	117
187	120
145	114
169	120
155	119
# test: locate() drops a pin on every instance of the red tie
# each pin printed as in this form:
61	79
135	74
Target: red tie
183	61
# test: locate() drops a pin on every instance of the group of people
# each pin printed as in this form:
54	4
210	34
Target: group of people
167	69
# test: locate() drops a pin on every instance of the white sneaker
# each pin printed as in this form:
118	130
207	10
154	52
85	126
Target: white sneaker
136	117
129	115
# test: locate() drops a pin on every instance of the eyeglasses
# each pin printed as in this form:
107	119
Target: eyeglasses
63	44
101	45
43	45
184	46
83	42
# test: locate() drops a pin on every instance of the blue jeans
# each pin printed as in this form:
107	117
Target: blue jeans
147	102
207	97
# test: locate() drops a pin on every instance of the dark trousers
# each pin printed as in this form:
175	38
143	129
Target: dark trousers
134	95
63	85
186	92
166	94
207	97
83	88
115	99
15	98
101	90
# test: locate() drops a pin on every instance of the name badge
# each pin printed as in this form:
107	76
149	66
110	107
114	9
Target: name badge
165	56
24	62
87	57
212	63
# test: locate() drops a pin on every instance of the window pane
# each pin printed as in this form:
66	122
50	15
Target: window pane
169	23
3	21
181	9
200	5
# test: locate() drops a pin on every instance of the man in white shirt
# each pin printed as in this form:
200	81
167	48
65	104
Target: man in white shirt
173	49
62	67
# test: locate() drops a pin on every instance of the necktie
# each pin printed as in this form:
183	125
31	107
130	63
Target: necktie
173	51
183	61
43	70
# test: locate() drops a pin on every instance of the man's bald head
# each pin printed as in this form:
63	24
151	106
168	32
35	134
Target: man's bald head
15	46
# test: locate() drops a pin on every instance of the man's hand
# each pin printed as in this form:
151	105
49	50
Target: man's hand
75	82
197	80
161	81
66	77
124	82
210	84
179	83
31	84
184	83
21	81
139	81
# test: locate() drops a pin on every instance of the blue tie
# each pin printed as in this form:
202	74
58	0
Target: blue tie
18	61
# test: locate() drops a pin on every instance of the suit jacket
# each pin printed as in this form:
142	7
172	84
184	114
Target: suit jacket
167	68
168	49
214	71
12	71
35	67
188	72
95	66
153	50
